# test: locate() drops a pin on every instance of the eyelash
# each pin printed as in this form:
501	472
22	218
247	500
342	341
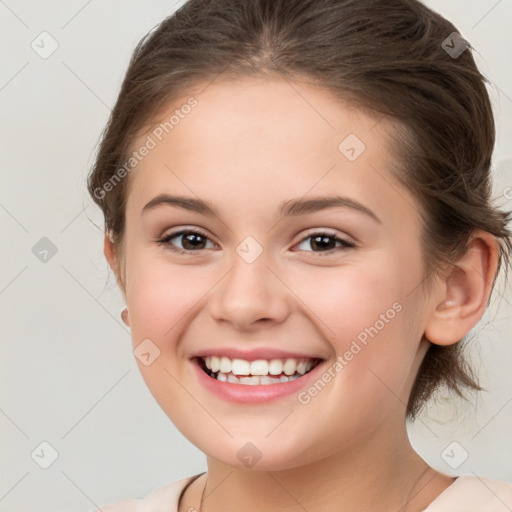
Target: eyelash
345	244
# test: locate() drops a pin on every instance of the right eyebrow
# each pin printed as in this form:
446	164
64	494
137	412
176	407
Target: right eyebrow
187	203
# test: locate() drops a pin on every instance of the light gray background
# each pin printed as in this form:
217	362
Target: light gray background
68	375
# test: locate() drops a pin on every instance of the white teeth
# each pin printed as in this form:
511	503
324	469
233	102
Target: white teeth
225	365
268	380
241	367
259	367
257	372
254	380
301	367
275	367
215	361
232	379
290	366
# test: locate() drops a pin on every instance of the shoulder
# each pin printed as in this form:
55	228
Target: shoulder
474	493
166	496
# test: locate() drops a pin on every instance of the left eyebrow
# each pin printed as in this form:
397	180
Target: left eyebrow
292	207
301	206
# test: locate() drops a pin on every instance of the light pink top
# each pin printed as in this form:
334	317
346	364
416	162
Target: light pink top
468	493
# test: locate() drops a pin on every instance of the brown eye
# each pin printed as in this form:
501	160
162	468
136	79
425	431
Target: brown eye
324	242
191	241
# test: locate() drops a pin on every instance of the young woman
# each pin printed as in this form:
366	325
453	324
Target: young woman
297	211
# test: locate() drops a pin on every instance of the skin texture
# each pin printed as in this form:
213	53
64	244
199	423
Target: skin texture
247	147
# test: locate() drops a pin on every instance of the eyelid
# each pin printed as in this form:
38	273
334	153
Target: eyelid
329	232
185	229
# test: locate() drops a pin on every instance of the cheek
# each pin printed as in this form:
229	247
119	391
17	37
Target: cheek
350	299
161	296
365	314
162	299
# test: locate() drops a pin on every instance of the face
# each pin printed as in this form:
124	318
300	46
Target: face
265	234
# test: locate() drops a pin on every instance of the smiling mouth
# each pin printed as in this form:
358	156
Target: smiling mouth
257	372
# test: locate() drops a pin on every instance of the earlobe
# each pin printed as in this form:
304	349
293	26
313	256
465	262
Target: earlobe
124	316
467	289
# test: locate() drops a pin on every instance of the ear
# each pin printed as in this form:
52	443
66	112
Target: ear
113	261
465	291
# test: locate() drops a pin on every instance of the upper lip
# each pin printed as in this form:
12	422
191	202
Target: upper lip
253	354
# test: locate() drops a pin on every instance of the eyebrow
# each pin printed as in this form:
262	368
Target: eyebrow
292	207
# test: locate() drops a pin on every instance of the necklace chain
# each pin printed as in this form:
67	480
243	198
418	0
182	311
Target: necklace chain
202	495
407	502
414	487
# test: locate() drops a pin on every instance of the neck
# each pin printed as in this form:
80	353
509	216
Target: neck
381	473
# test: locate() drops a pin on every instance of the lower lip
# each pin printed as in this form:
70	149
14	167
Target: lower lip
244	393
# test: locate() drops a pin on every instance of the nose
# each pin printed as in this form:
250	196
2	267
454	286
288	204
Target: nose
250	296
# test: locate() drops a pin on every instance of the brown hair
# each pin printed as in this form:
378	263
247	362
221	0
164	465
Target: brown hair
386	56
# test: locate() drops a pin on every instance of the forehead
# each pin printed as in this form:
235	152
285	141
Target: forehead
251	138
269	106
